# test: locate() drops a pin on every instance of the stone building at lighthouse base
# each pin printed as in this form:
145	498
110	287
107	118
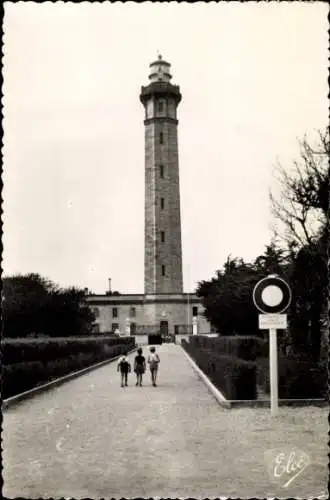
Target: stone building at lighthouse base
142	315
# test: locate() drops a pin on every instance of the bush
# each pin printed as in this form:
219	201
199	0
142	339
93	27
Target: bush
24	375
244	347
20	377
297	378
46	350
234	377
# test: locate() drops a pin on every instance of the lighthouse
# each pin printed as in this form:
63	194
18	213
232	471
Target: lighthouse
163	309
162	217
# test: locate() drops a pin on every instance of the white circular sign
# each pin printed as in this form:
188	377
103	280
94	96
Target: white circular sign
272	295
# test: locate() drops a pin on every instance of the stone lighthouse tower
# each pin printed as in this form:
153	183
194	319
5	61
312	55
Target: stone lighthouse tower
163	310
163	249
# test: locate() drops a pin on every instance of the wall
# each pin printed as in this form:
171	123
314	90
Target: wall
173	309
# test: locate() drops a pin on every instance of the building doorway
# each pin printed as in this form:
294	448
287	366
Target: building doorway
163	328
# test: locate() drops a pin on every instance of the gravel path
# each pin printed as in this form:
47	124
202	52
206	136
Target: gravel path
91	438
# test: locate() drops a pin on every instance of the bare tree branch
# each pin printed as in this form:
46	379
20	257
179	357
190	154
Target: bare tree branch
303	203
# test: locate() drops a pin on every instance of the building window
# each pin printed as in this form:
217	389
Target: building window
160	106
195	311
132	312
114	312
114	327
133	328
163	270
162	236
162	203
161	168
161	138
96	328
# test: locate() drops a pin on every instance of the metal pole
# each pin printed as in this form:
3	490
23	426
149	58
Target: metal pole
273	371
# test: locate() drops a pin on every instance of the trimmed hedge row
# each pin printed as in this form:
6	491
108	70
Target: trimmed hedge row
234	377
297	379
244	347
48	349
20	376
298	376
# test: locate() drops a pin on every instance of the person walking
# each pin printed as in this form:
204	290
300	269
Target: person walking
153	360
124	367
139	367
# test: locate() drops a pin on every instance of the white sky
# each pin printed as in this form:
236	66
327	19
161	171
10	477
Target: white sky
253	78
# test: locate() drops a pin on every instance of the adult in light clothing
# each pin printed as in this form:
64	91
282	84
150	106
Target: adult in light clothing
153	360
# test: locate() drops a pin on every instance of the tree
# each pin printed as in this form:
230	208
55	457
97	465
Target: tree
33	304
227	297
303	203
309	280
25	298
303	213
68	313
273	261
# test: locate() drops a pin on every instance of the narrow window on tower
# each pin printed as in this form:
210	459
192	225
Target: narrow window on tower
163	270
160	106
161	138
162	203
162	236
161	168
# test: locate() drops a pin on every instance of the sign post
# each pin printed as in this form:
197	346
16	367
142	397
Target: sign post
272	296
273	370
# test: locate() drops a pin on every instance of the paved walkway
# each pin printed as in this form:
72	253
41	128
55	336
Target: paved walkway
91	438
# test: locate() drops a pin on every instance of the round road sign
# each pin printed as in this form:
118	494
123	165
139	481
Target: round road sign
272	295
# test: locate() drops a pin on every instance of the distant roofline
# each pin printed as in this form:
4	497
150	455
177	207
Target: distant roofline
136	298
139	294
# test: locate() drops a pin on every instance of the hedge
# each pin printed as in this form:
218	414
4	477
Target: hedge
244	347
234	377
45	350
297	379
26	374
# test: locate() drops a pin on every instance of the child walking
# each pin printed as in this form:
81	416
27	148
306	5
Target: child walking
139	367
124	367
153	360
